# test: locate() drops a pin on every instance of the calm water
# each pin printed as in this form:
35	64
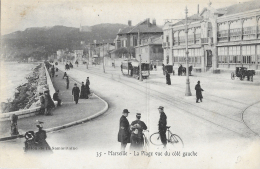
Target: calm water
11	76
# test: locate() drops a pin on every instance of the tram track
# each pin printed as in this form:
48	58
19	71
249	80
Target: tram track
242	117
176	102
179	99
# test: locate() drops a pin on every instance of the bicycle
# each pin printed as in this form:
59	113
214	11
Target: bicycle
174	139
146	142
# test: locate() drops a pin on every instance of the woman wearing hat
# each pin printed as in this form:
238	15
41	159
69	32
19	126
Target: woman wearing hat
40	139
124	130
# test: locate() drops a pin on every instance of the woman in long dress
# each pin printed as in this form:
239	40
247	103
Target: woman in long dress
40	139
83	91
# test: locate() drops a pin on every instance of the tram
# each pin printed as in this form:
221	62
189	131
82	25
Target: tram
131	68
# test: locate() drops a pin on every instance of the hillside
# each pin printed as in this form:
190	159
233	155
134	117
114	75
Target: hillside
47	40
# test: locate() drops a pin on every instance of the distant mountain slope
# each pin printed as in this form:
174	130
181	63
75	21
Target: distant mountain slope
57	37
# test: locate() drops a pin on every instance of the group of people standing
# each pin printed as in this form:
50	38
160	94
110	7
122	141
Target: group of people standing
133	133
85	90
83	93
68	66
46	103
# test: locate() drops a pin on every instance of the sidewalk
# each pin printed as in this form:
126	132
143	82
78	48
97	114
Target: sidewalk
69	112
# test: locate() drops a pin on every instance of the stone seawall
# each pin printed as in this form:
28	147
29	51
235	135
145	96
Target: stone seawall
44	82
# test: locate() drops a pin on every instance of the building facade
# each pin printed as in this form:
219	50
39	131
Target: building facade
218	39
150	50
128	36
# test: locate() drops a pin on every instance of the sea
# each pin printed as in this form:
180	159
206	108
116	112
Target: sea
13	74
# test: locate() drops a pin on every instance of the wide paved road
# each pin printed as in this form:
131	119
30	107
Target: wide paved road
213	129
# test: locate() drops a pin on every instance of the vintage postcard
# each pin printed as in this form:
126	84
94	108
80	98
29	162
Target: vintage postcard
130	84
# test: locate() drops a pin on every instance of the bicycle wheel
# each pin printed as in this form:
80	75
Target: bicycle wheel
155	139
176	141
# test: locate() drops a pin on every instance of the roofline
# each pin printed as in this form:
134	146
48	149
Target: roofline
223	18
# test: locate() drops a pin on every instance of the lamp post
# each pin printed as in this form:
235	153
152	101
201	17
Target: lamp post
140	61
103	59
187	92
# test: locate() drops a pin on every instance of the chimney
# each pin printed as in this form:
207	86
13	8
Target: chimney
154	22
148	22
198	8
129	23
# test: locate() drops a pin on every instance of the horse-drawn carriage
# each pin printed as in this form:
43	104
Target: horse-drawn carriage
242	72
182	70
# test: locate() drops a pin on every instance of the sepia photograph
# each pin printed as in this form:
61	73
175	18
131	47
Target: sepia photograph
130	84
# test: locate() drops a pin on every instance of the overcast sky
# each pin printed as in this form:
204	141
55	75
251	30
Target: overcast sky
21	14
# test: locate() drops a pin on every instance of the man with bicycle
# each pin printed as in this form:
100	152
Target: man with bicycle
162	126
140	126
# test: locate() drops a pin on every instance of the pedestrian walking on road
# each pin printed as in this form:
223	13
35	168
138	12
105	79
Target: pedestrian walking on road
162	126
163	68
198	92
75	93
168	78
124	130
56	97
65	75
68	82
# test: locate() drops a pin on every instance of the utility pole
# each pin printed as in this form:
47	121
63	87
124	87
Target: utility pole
187	92
103	59
140	61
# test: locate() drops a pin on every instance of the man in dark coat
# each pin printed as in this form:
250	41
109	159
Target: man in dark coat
162	125
124	130
163	68
42	101
56	97
48	103
67	66
198	92
75	93
65	75
87	81
67	82
52	71
140	126
87	90
180	70
83	91
168	78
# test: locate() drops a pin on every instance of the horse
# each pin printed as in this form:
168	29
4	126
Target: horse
183	71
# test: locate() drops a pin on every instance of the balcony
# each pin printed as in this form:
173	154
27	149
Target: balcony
208	40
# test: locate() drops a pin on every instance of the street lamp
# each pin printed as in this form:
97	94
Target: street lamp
103	59
187	92
140	61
